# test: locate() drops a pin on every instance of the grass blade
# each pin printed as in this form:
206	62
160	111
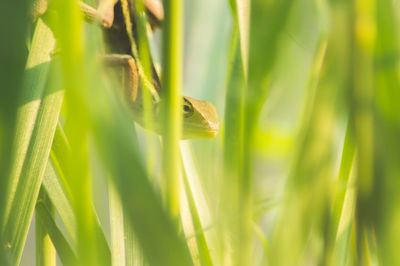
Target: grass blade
172	108
35	130
386	124
64	250
55	183
12	62
118	149
45	251
117	228
197	207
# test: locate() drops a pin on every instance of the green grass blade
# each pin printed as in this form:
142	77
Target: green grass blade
172	67
233	145
245	103
116	228
306	196
345	224
64	250
32	172
361	86
12	62
118	149
55	190
34	83
75	78
134	256
45	251
344	199
56	184
241	17
385	199
37	119
197	207
192	224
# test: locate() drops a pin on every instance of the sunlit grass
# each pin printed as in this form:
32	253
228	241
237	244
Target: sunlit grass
304	169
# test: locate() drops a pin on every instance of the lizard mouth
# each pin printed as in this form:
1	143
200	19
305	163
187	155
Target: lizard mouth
194	131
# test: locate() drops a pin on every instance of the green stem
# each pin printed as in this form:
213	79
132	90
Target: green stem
171	110
45	251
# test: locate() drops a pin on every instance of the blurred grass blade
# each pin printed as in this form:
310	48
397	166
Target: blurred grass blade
116	228
75	70
37	68
134	255
192	227
343	203
196	214
308	185
248	96
361	85
64	250
233	145
241	15
56	184
45	251
118	149
386	169
12	62
171	109
37	119
345	224
55	190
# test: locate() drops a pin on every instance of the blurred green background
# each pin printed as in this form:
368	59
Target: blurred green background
304	170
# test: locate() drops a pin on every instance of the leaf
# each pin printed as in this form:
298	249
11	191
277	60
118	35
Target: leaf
57	189
64	250
36	122
118	150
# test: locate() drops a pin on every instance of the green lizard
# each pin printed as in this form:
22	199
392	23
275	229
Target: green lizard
200	119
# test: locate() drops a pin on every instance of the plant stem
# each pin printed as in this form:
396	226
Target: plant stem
172	84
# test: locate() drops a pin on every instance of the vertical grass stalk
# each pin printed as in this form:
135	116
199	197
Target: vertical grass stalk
69	30
172	107
361	89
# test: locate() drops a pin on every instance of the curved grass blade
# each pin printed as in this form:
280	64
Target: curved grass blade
306	198
37	119
55	183
64	250
117	145
45	251
199	214
12	62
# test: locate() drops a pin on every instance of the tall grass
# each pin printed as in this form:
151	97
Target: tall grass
304	170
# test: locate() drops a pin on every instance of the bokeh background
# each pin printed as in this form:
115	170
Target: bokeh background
304	169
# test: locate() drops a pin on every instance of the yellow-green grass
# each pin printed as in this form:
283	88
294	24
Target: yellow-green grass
304	170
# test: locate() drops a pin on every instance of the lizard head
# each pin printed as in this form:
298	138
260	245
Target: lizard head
200	119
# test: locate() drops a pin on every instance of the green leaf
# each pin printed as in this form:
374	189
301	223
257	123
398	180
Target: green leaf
118	150
55	183
64	250
195	213
36	122
45	251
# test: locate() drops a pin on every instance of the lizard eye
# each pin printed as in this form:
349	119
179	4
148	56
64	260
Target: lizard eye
187	108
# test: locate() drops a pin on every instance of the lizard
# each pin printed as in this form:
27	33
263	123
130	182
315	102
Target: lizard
200	119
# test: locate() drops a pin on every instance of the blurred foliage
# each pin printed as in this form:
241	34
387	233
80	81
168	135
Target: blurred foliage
304	171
